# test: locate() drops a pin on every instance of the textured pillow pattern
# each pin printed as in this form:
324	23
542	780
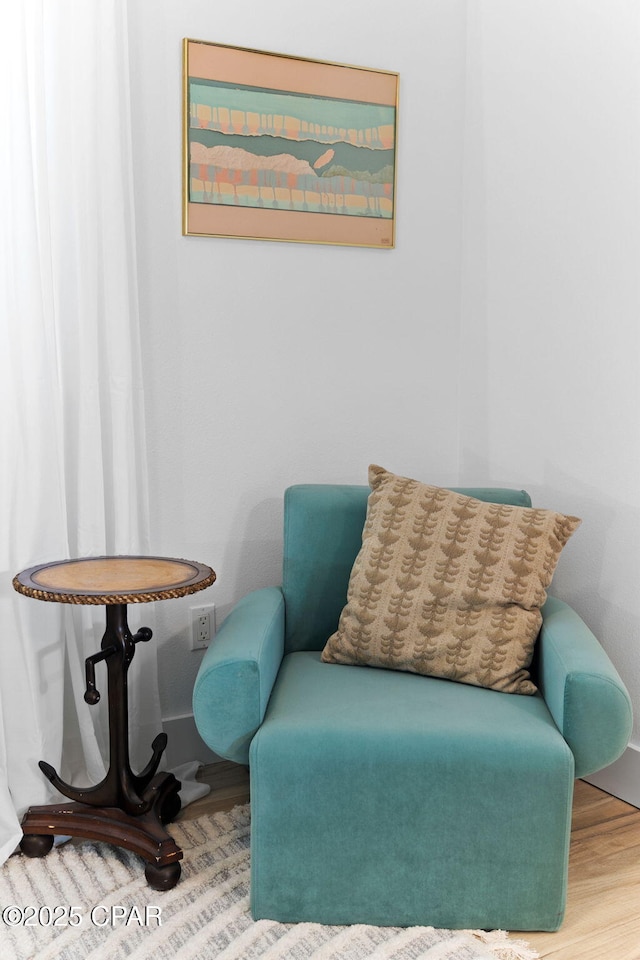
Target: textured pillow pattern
447	585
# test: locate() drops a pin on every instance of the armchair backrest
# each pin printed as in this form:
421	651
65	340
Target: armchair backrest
322	536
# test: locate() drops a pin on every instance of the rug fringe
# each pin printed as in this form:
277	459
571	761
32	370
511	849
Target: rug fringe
504	947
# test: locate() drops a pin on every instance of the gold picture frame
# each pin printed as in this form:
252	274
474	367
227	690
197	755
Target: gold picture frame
287	148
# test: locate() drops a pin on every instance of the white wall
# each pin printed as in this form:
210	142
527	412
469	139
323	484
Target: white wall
551	287
268	364
497	343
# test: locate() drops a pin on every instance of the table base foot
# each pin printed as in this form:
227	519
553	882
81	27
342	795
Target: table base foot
145	835
162	878
36	844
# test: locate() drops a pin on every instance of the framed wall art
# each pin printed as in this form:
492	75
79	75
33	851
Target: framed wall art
286	148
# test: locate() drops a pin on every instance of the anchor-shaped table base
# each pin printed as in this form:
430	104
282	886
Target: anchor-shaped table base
125	809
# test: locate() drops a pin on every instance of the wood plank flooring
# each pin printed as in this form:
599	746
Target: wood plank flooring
602	921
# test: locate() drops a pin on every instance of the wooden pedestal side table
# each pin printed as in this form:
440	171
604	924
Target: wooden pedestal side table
126	809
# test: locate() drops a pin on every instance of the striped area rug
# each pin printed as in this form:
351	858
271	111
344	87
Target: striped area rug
92	901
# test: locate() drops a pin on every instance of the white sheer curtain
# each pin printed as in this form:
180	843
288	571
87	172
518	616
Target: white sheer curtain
72	457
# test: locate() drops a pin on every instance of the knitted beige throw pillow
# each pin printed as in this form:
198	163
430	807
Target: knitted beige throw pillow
447	585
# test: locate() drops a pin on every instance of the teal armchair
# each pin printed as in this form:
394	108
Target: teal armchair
389	798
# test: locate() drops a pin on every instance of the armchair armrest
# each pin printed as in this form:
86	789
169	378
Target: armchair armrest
237	674
582	689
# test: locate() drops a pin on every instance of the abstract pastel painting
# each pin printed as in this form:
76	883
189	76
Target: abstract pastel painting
286	148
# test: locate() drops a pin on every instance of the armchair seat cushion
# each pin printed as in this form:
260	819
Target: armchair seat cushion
354	768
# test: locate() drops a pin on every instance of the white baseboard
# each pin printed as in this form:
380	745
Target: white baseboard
184	743
622	778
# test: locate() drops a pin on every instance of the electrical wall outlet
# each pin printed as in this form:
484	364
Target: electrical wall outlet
203	626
